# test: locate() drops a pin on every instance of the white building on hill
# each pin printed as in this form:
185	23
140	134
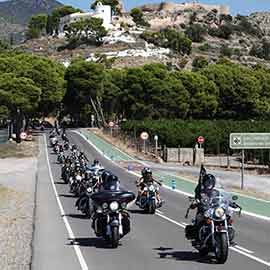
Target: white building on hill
102	11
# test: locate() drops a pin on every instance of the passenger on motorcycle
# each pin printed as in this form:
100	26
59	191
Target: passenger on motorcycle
146	179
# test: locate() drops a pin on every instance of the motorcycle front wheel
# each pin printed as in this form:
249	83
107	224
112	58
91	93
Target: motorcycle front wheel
222	248
115	237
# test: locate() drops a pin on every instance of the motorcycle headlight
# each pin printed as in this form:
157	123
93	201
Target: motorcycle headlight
151	188
89	190
114	206
219	212
104	205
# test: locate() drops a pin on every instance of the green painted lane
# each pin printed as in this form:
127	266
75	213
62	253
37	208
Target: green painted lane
107	149
250	204
253	205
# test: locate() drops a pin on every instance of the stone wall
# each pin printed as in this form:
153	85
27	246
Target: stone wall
185	155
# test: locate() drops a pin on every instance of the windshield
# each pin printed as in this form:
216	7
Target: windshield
215	198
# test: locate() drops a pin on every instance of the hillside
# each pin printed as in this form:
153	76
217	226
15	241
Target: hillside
243	39
15	14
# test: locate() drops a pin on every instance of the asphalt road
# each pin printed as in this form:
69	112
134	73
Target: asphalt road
155	242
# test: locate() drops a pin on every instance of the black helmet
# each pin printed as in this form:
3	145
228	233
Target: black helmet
146	171
96	162
208	182
112	183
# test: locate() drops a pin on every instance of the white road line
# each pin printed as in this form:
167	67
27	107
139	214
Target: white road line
69	230
251	256
243	249
171	220
237	249
165	186
160	212
183	225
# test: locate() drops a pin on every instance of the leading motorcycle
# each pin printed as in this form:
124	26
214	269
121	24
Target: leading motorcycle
212	230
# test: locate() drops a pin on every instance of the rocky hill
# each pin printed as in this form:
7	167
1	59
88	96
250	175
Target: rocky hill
243	39
15	14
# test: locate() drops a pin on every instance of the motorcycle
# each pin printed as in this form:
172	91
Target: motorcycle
148	199
111	219
214	232
53	141
66	146
75	184
56	148
61	157
66	171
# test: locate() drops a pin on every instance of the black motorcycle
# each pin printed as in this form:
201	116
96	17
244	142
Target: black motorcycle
111	219
212	230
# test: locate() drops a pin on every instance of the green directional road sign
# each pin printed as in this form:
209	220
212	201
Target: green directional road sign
250	140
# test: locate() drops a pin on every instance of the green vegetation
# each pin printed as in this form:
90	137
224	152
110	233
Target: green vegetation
90	31
37	26
184	133
33	85
217	91
57	14
196	32
137	16
199	63
169	38
261	50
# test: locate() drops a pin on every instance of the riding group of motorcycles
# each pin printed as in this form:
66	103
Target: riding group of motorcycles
102	200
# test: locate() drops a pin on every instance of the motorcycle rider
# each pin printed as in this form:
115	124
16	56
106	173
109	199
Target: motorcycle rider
203	191
65	138
96	165
83	156
147	179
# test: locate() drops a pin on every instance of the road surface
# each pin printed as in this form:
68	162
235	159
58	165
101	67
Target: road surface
63	238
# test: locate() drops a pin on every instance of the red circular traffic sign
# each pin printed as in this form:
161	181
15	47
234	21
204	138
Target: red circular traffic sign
23	135
144	136
111	124
201	140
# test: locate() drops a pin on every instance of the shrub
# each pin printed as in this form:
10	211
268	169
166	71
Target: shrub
196	32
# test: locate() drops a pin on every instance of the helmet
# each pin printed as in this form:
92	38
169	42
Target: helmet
146	171
112	183
74	147
96	162
208	182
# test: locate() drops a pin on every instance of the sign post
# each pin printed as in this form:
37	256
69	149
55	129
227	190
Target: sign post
156	144
23	135
242	169
111	125
242	141
201	140
144	136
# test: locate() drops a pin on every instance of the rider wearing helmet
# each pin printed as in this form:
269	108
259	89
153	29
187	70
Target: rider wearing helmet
206	185
83	156
203	191
144	180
